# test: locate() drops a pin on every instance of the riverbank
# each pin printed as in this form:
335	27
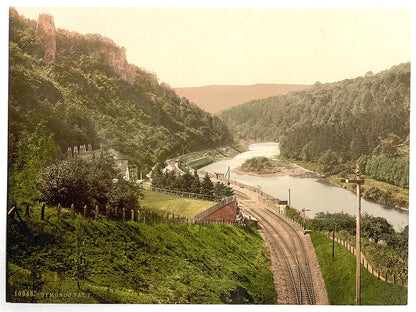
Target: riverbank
277	171
311	192
373	190
194	161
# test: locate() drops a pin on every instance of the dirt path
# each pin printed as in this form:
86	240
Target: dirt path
296	272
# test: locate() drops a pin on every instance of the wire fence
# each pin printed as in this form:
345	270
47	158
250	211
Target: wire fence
175	193
123	214
383	275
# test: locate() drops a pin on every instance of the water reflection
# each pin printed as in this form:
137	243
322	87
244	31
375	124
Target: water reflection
307	192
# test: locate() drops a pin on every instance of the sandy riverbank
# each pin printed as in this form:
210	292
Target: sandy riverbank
294	171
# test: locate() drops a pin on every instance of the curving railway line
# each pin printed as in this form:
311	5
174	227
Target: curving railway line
293	276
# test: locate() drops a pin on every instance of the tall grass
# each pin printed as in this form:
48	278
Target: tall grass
339	276
130	262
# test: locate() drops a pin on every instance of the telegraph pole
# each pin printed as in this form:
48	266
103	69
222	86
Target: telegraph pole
358	181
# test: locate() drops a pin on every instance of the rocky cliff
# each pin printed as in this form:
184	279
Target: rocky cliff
113	55
45	30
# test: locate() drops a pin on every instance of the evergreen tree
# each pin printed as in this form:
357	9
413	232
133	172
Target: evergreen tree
196	183
207	187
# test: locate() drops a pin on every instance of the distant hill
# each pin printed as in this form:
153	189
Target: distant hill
216	98
343	120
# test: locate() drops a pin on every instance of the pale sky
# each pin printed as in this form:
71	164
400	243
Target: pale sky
206	46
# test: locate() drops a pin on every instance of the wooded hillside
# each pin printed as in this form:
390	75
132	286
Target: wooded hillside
339	121
84	100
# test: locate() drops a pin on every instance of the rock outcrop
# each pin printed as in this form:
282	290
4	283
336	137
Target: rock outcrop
45	30
114	56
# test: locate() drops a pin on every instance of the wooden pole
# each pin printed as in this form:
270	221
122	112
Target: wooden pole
359	181
72	211
96	212
107	211
59	210
85	211
132	215
124	214
42	212
27	209
333	243
358	243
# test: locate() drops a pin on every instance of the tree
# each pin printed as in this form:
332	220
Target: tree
125	194
86	182
389	146
207	187
376	228
221	190
311	152
196	184
185	181
329	162
33	154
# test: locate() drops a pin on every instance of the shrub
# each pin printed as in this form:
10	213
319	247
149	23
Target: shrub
78	181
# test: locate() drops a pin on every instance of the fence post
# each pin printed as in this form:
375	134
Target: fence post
124	214
394	279
144	216
138	215
42	212
72	211
378	274
132	215
59	210
96	212
85	211
27	210
107	210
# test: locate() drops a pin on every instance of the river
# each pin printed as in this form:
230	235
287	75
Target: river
312	193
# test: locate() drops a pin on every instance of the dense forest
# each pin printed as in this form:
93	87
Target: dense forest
366	118
82	100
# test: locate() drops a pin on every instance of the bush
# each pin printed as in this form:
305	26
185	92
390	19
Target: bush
78	181
330	163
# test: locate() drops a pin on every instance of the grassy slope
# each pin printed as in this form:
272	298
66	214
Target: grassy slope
339	276
204	158
173	205
136	263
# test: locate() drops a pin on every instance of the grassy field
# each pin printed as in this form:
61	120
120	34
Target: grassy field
339	276
61	260
174	205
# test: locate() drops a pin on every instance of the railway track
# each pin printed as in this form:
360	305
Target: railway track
286	245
